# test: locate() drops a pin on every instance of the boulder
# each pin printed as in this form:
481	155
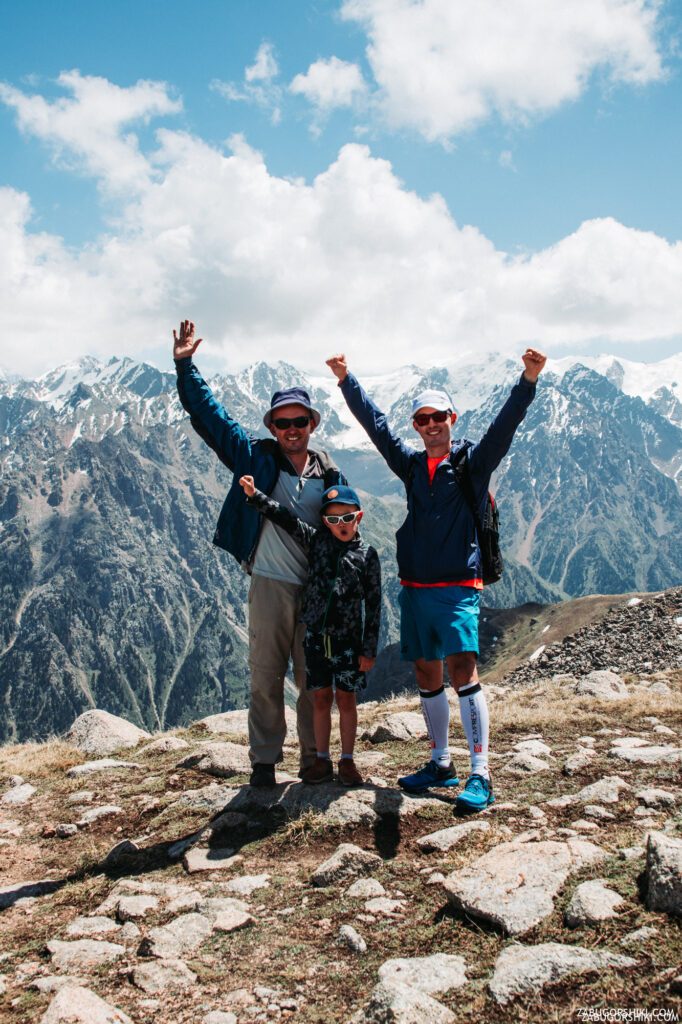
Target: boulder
182	935
347	861
663	873
352	939
648	755
162	975
164	745
430	974
604	685
525	970
104	764
400	1004
20	794
100	733
219	759
446	838
74	1004
82	953
403	725
604	791
591	903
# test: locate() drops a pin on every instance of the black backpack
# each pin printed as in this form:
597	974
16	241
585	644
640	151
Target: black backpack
487	528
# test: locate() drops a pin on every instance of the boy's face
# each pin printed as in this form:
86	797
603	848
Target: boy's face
342	531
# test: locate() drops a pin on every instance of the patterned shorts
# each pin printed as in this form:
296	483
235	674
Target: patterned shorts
332	661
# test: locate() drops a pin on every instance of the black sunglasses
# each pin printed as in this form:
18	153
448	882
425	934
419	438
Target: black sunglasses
422	419
284	422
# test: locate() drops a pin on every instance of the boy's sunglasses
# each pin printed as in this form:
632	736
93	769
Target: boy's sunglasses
422	419
347	517
283	422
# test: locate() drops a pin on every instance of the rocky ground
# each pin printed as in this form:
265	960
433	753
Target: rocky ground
142	880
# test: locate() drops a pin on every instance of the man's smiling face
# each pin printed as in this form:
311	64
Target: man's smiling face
436	436
291	439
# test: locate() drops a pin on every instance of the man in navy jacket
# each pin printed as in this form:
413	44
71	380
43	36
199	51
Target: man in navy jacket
439	564
286	468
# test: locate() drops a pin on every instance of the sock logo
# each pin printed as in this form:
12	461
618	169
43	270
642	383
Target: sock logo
478	748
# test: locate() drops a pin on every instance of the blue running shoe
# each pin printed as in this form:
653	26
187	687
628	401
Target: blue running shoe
476	795
429	776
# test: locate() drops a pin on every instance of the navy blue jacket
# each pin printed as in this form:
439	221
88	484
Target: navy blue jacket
239	525
437	542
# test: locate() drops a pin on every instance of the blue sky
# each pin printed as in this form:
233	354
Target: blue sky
552	136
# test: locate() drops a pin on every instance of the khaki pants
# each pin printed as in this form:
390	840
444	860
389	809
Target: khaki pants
275	635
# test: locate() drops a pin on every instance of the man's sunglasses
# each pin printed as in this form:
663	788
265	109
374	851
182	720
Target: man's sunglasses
284	422
422	419
347	517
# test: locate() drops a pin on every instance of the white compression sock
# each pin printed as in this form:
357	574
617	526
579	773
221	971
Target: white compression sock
436	711
473	708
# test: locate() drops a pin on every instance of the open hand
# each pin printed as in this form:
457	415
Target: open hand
337	364
366	664
534	361
186	344
248	486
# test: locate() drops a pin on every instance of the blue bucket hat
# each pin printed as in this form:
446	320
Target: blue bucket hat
291	396
339	494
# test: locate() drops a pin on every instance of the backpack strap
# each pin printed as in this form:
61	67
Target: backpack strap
459	461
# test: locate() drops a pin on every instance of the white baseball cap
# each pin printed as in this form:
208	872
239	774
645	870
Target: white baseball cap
438	400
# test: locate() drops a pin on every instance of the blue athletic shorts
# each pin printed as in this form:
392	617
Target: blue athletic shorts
437	621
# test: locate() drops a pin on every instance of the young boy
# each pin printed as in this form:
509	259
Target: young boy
343	573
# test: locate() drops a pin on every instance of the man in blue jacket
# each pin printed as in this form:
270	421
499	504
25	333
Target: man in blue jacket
439	564
286	468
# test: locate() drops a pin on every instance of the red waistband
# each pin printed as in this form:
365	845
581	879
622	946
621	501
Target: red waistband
476	584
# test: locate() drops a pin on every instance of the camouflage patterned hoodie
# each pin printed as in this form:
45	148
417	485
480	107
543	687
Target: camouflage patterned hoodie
341	576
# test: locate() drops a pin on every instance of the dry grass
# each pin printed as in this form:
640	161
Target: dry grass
39	760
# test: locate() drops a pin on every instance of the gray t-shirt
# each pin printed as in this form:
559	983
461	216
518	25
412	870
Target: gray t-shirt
278	556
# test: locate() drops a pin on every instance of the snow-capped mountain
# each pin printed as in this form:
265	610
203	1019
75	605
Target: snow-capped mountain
110	591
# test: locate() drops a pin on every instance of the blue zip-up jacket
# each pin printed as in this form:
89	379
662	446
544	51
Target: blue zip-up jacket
437	543
239	525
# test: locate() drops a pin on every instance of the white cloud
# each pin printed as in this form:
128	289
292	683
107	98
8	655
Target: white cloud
272	268
330	83
442	66
86	129
264	66
259	86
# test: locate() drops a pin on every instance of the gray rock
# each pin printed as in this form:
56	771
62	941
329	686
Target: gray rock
663	730
54	982
382	905
93	814
82	953
164	745
213	859
213	906
604	685
576	762
647	755
347	861
81	796
100	733
639	936
219	1017
430	974
656	797
246	884
403	725
3	986
182	935
630	741
400	1004
129	932
604	791
105	764
132	908
162	975
365	888
227	821
119	853
232	920
393	802
18	794
220	759
526	764
524	970
514	884
566	800
352	939
446	838
11	894
598	812
535	747
663	873
65	830
236	723
92	926
591	903
631	852
74	1004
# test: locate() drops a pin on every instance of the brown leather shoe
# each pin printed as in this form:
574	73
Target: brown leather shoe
321	771
348	773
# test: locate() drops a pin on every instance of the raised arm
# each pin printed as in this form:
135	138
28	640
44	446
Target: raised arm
210	419
486	456
372	588
302	532
372	419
